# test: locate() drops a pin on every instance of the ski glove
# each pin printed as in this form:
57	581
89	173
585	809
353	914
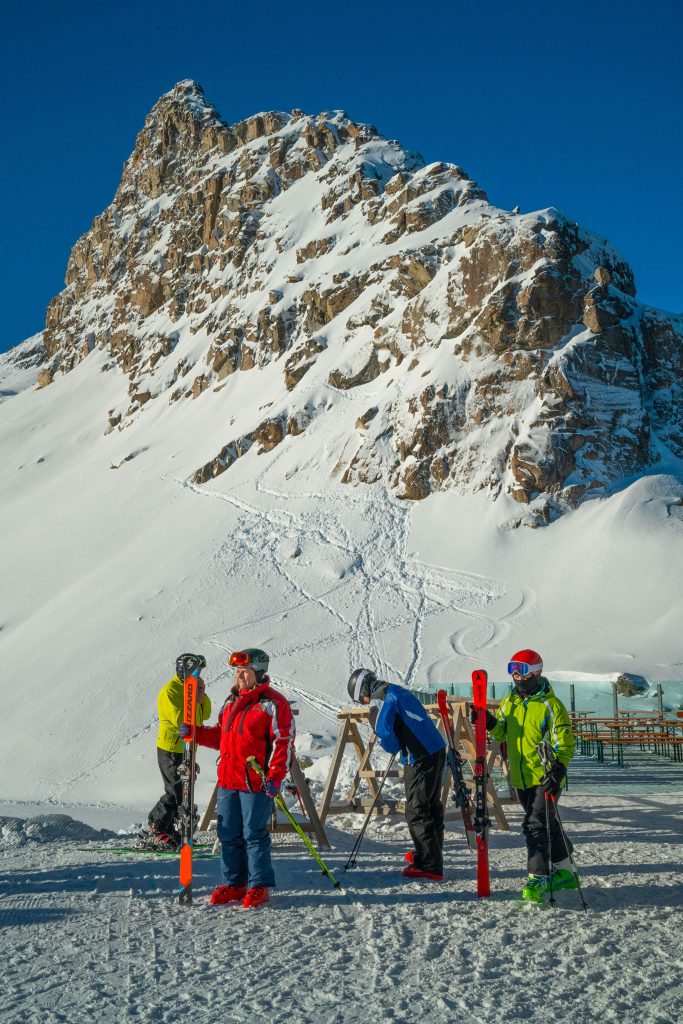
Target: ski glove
491	720
552	782
185	732
271	788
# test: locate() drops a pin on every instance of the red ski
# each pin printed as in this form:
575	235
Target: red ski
187	773
481	818
461	793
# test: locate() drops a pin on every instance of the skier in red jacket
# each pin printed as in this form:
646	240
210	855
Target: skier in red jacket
255	721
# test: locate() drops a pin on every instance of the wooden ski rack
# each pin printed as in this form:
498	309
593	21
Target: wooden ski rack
350	735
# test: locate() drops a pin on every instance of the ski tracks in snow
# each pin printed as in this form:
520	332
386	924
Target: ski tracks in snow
340	564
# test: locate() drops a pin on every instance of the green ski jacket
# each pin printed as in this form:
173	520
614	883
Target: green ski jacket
523	724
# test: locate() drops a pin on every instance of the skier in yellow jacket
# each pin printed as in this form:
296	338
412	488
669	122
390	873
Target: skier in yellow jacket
162	831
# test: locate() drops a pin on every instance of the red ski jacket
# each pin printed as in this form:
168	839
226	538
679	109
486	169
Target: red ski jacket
254	722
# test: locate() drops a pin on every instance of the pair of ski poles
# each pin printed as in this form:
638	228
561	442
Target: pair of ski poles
549	760
279	802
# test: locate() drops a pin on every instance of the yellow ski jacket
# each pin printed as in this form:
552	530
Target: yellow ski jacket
170	705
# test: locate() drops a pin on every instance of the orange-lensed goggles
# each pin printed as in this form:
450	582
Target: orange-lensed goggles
239	659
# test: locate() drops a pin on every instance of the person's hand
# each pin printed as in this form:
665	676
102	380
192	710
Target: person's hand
491	720
185	732
271	788
201	690
552	781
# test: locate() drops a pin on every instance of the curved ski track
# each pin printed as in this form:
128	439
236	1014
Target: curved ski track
367	533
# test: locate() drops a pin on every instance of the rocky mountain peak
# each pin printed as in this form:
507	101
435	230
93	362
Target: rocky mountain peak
453	343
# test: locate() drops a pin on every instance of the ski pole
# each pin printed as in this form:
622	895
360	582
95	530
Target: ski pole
353	856
279	802
550	850
548	757
569	852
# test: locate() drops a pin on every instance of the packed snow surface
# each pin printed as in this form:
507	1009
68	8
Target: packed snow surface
90	936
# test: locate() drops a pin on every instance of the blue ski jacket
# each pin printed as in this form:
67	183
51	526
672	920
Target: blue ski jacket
402	724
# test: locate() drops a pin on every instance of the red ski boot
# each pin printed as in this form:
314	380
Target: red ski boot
228	894
410	856
415	872
255	897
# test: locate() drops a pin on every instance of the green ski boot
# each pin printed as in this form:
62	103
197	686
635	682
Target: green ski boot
563	879
535	889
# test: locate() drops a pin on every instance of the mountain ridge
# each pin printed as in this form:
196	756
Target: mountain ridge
457	345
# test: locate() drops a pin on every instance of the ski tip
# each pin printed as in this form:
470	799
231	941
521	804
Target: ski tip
480	676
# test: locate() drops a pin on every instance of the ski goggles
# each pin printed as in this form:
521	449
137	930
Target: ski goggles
240	659
522	669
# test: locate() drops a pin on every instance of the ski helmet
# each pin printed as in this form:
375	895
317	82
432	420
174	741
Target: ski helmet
187	663
361	684
526	663
251	657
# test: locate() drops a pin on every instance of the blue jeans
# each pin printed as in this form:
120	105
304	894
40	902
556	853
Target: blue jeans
242	827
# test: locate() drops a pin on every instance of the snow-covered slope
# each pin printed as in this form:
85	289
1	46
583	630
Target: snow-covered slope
117	554
114	562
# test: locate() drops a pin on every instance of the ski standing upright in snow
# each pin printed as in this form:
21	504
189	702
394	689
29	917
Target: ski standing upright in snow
187	773
481	818
461	793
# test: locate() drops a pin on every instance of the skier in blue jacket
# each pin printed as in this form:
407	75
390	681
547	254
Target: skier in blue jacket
403	726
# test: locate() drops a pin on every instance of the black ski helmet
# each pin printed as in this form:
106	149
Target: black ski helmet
187	663
361	684
251	657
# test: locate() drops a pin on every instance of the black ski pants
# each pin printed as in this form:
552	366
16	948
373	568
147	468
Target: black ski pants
535	830
165	811
424	810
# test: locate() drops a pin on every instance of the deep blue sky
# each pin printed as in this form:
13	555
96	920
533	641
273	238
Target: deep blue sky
576	105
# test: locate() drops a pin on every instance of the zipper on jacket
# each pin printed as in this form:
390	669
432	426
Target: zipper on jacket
521	740
233	714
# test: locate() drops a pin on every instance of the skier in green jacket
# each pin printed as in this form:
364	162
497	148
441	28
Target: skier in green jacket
162	831
530	715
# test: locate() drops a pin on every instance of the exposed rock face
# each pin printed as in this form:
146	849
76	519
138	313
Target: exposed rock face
494	350
629	685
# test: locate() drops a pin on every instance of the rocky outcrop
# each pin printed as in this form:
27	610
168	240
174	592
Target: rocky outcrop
495	350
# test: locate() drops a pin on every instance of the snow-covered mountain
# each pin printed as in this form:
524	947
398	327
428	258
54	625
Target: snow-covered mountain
455	345
278	332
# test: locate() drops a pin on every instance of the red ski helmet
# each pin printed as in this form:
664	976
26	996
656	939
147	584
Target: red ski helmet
526	663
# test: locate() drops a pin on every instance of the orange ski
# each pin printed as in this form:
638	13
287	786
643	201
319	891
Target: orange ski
187	774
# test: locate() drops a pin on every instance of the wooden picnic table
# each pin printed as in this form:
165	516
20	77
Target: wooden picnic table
660	732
